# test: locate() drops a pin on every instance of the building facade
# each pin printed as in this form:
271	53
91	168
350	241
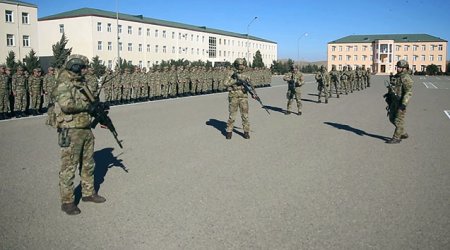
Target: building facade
18	32
146	41
380	53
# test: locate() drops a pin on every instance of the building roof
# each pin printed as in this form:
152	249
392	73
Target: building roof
141	19
21	3
396	37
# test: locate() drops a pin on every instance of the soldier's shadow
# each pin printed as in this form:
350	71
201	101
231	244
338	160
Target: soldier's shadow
222	127
276	109
356	131
309	100
104	160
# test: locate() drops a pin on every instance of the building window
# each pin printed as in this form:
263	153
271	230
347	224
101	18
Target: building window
108	27
109	46
440	47
61	28
99	26
192	37
212	47
130	47
333	58
415	58
130	30
415	47
26	41
432	47
424	47
9	40
397	58
120	46
364	58
348	48
348	58
340	57
156	33
140	64
148	64
355	48
198	51
119	29
140	31
148	47
197	37
439	58
422	58
164	49
99	45
333	48
355	58
397	47
164	34
406	48
173	35
140	47
405	58
340	48
192	51
148	32
431	58
156	48
25	18
203	39
109	64
364	48
9	18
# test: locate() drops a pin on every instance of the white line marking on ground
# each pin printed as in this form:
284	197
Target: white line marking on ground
447	112
429	85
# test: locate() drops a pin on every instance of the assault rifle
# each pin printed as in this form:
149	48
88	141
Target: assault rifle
391	98
99	111
248	88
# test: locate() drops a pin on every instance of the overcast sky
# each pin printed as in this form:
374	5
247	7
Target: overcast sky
284	22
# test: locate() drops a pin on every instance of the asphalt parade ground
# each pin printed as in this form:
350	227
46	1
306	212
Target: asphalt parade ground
323	180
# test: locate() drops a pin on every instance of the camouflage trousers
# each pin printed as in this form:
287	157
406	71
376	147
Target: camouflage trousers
4	102
20	101
323	91
80	152
297	95
35	100
398	119
235	102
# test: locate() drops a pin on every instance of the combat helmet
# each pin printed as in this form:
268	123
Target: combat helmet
402	64
76	62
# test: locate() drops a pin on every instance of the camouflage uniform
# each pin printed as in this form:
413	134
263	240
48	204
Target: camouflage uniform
126	86
335	81
5	90
35	85
91	80
402	88
48	85
75	136
323	83
345	81
368	73
237	99
295	81
19	90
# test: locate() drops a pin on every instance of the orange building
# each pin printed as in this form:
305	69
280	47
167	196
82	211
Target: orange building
380	53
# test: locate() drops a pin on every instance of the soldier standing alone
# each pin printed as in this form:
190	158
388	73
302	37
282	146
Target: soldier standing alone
402	89
295	81
74	134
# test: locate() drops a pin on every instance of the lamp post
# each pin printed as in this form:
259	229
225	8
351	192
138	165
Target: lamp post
248	42
298	45
117	34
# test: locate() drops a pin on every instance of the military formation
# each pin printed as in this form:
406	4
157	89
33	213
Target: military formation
25	93
339	82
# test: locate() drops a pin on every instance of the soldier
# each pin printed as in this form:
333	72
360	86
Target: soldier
4	92
323	83
295	81
74	134
91	79
238	98
344	80
368	74
35	85
19	91
351	79
126	86
402	89
108	85
48	84
335	80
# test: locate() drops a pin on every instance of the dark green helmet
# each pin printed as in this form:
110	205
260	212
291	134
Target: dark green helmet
76	62
402	64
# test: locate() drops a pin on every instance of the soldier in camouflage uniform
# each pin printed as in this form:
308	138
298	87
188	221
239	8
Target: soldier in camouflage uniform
368	74
295	81
19	91
48	85
397	108
126	86
323	83
335	81
5	90
345	80
91	79
144	96
237	99
364	77
117	87
172	82
108	85
74	135
35	85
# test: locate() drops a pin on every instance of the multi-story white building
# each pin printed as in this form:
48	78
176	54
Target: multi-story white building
18	32
381	52
145	41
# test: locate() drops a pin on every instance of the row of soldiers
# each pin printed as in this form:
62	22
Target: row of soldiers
170	82
22	94
341	82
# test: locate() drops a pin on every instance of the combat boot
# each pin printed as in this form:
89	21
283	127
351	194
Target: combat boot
393	141
2	116
287	112
404	136
94	198
228	136
70	208
299	113
326	101
319	101
246	135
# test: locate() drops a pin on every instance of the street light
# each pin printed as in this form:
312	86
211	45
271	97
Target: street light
298	45
248	35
